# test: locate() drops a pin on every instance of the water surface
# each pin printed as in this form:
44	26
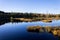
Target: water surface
18	31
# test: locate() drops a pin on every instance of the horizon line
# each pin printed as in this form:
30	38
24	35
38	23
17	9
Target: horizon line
31	12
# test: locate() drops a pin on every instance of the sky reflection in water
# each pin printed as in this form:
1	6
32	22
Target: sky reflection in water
18	31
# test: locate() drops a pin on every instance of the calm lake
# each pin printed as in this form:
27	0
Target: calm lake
18	31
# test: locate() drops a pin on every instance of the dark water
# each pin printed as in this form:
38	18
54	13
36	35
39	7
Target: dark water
18	31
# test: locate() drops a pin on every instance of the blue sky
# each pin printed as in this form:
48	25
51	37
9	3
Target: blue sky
35	6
